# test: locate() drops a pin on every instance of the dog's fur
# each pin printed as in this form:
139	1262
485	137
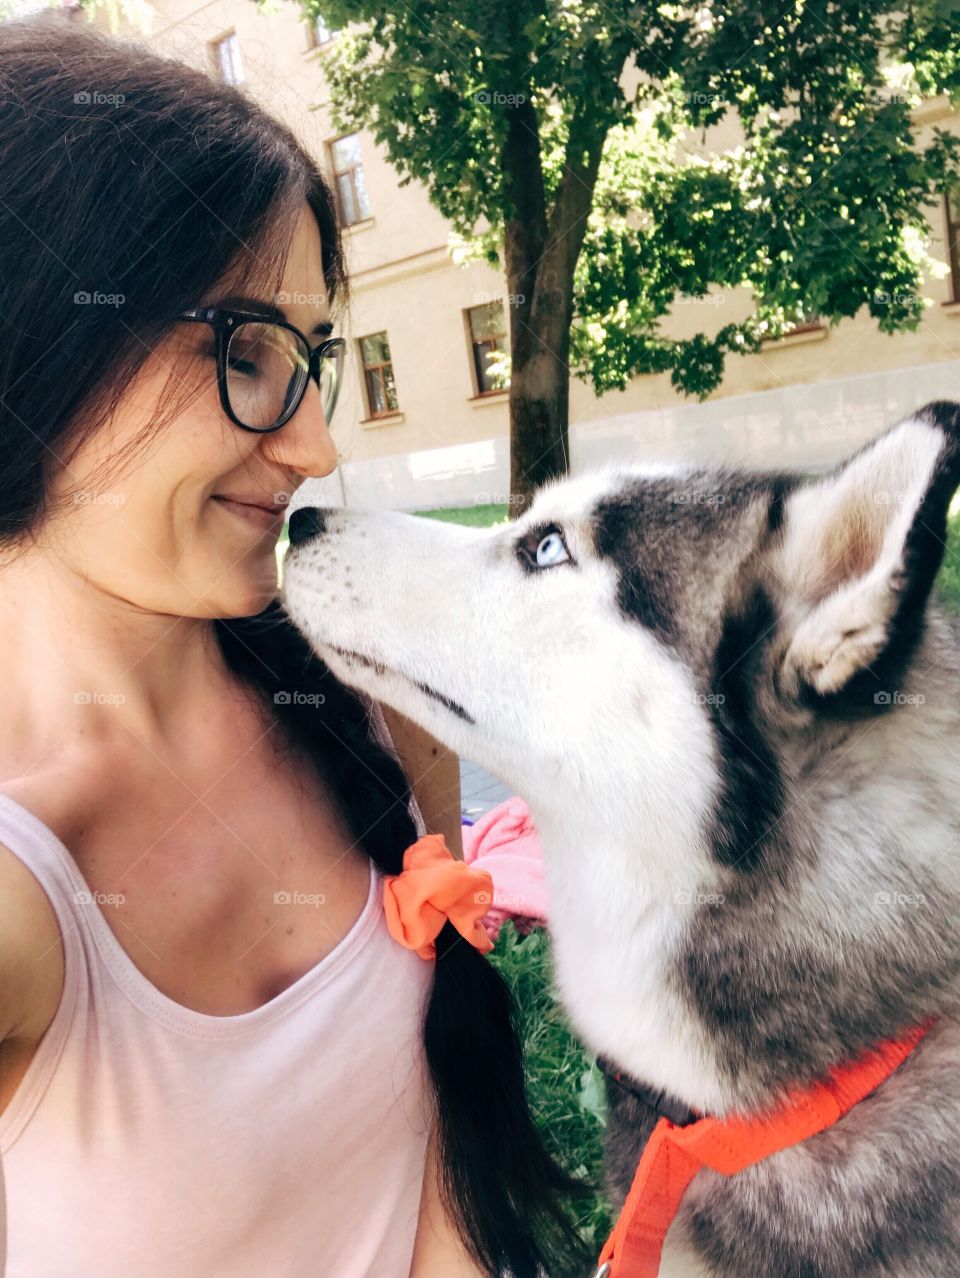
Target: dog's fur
733	712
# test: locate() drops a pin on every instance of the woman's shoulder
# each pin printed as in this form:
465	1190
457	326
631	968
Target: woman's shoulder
31	952
31	946
66	795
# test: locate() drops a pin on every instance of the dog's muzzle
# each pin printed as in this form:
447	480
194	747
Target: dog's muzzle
306	523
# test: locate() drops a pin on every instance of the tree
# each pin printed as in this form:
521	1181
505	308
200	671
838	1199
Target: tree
571	141
138	14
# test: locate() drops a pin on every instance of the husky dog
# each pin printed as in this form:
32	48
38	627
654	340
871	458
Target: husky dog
733	710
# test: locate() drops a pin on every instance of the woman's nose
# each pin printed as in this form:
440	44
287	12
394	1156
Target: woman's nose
303	444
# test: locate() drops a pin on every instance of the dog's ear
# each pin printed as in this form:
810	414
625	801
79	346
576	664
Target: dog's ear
859	553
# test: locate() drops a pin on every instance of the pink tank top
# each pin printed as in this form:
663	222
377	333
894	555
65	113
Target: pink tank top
152	1140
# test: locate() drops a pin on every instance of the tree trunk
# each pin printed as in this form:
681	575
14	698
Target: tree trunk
539	412
541	254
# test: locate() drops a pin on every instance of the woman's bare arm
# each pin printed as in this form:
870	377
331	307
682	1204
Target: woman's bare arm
3	1224
434	773
438	1251
31	975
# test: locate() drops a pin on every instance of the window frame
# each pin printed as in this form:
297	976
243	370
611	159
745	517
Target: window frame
952	236
810	325
215	49
313	37
348	173
368	369
476	344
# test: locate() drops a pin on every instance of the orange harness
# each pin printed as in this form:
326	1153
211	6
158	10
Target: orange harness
673	1155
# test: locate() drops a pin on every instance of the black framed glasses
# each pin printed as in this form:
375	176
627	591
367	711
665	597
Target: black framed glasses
264	367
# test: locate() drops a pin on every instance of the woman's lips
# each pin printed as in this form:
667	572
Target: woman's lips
267	518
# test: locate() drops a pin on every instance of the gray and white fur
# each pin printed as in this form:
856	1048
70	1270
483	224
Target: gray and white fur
733	710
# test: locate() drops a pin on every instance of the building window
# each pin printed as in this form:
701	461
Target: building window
808	325
488	339
378	375
320	33
951	203
226	53
350	182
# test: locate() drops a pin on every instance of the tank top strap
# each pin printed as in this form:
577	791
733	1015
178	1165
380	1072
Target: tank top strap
45	857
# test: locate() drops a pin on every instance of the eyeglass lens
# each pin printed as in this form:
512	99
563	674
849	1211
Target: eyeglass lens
267	372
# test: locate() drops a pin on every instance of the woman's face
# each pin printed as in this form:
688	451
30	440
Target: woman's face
181	528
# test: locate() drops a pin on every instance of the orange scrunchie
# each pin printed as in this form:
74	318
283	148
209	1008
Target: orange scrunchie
432	888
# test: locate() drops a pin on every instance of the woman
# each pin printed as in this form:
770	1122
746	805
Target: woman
214	1058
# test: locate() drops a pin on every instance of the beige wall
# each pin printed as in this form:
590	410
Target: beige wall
805	398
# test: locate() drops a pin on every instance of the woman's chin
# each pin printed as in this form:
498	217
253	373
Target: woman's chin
244	594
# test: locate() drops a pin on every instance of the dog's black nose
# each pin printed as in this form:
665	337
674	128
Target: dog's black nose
306	522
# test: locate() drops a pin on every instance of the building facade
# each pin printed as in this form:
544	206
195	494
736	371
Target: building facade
423	417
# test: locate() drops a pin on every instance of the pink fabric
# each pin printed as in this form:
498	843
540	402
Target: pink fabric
505	843
149	1139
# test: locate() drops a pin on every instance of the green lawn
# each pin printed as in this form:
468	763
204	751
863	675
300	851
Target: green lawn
565	1086
948	580
474	516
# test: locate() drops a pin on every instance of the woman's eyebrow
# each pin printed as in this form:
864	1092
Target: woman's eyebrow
323	328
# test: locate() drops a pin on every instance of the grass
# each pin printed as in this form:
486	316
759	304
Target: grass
563	1083
282	543
472	516
948	579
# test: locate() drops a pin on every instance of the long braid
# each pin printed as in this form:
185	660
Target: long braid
498	1181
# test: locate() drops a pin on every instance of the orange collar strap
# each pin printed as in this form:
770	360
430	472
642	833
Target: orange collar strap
673	1155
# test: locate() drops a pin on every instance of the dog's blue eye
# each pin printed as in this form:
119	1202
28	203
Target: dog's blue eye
551	550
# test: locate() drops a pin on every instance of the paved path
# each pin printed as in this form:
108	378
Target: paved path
479	791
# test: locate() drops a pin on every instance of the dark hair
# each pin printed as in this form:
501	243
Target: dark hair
130	174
